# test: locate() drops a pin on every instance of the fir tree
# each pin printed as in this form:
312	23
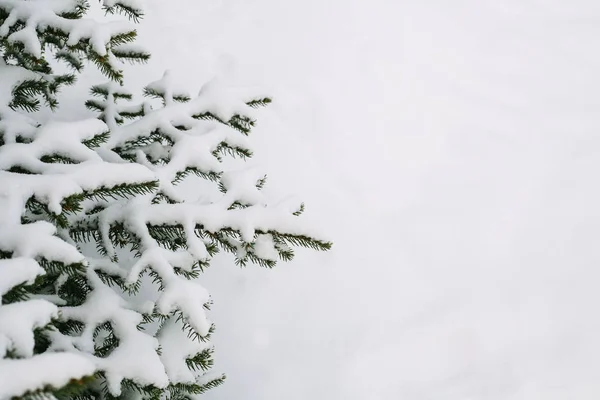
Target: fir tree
94	214
39	188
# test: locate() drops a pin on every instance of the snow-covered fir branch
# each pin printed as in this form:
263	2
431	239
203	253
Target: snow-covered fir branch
101	254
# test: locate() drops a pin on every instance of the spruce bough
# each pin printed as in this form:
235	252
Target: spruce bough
101	250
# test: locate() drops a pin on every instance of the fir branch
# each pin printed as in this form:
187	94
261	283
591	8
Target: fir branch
301	240
69	327
56	159
180	98
17	293
101	247
132	56
260	184
134	14
122	38
95	105
99	91
103	64
77	12
97	140
194	272
17	169
192	334
124	190
262	102
84	231
75	289
153	93
299	211
132	112
241	123
171	237
183	390
57	267
202	361
208	116
56	82
286	253
24	95
122	237
74	389
69	205
210	175
161	197
233	151
112	280
224	239
142	140
71	59
110	340
251	256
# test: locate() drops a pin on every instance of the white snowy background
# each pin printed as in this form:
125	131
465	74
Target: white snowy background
451	150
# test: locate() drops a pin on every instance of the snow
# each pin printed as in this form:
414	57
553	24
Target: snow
135	358
68	179
133	4
43	14
176	348
41	368
16	271
50	184
37	240
241	186
187	296
265	248
165	87
192	147
13	76
17	322
13	123
17	335
450	151
179	293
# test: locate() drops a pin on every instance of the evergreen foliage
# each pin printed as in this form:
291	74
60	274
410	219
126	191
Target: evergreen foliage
101	249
